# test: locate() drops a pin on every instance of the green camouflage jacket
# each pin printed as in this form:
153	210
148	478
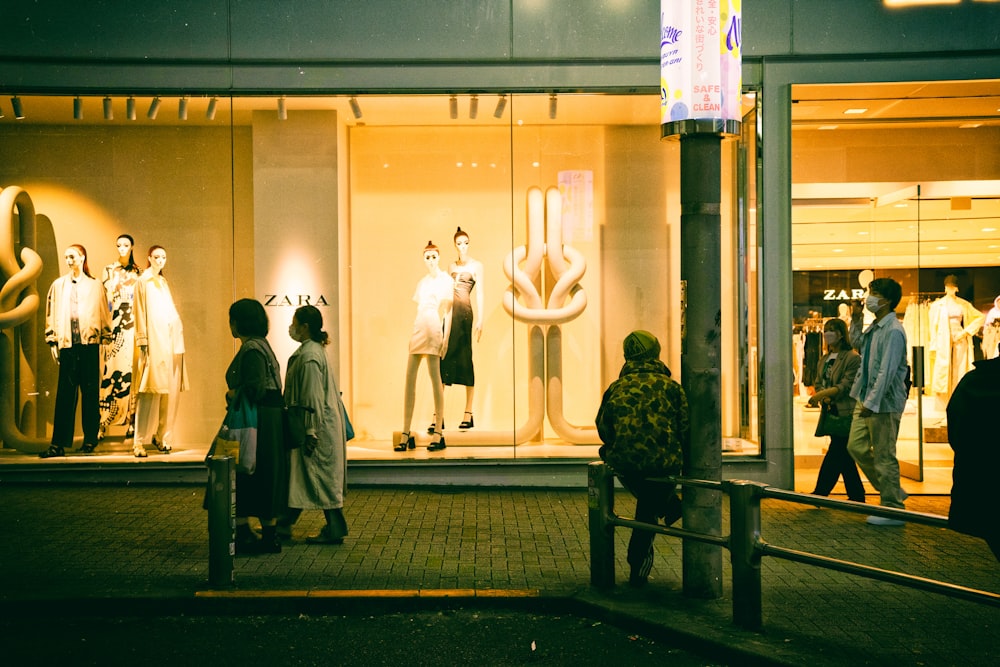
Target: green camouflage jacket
643	421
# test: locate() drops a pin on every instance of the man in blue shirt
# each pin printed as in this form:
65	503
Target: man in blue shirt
880	389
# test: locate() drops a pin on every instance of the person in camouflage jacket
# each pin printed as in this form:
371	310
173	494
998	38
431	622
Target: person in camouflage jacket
643	423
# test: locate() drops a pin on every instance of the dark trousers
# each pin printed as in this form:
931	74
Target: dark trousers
79	369
653	501
837	463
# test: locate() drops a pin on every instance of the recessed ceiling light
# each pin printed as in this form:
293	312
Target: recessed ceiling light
855	111
969	126
989	229
901	204
838	250
863	233
942	247
828	127
993	246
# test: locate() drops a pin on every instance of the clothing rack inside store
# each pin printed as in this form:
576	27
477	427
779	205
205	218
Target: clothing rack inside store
926	296
813	324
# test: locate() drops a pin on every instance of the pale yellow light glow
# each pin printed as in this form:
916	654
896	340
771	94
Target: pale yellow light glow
915	3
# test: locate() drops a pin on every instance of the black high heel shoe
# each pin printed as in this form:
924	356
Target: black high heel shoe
405	442
433	426
437	442
468	423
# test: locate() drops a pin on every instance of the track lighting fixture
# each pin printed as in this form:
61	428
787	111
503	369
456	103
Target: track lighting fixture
501	105
282	111
154	108
453	107
109	110
552	106
182	109
130	108
15	103
355	107
77	108
473	106
210	112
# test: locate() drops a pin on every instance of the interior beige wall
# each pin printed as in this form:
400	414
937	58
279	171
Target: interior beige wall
407	189
168	186
871	155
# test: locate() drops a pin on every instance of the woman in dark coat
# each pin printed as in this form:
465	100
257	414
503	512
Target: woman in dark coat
834	377
254	374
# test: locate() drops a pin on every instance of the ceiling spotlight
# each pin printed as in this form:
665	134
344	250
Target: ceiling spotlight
210	112
15	102
453	107
154	108
282	111
552	106
501	105
77	108
130	108
473	106
109	110
355	107
182	109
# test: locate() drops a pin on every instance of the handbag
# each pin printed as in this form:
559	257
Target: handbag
240	428
348	427
293	423
831	422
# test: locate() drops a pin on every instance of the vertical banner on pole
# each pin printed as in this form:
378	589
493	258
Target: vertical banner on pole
700	66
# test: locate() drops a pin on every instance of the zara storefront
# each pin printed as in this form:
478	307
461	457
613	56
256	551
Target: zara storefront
296	153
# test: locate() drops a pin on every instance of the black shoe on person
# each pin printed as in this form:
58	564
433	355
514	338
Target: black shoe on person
52	452
88	447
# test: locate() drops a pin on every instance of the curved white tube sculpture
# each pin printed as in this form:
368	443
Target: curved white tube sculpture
19	303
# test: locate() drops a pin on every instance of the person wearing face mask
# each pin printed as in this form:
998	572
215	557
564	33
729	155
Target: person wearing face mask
953	322
434	295
880	391
835	375
76	323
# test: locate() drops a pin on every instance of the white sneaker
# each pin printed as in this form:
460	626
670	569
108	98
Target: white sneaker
884	521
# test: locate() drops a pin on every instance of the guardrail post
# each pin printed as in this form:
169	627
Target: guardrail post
744	531
600	505
221	521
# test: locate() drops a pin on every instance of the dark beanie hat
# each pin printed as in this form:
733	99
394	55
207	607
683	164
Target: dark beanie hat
641	345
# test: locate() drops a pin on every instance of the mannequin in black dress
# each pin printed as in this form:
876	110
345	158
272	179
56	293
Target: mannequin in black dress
456	366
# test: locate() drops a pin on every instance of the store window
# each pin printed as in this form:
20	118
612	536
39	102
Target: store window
900	181
569	213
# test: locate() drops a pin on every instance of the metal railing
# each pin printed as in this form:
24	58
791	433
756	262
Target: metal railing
745	544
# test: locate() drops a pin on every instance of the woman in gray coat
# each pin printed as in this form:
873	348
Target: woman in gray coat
317	463
835	375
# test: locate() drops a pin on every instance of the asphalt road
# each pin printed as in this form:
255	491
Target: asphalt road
452	637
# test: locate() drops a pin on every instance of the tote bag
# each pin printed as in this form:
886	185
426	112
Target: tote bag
241	427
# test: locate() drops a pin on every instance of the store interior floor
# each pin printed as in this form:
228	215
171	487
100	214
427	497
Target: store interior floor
935	478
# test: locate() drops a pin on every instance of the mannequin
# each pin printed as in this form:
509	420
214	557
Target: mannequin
991	331
434	296
159	336
953	322
119	279
456	366
76	323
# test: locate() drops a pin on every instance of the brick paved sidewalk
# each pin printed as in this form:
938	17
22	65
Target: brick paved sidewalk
70	543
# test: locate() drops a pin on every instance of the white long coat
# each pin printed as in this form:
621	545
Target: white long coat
940	341
317	481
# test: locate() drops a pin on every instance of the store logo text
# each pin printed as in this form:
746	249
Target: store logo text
295	300
843	295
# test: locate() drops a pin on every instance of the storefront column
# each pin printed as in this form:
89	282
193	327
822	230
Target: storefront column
701	352
296	221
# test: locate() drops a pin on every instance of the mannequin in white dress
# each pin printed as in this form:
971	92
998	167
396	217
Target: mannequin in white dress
433	296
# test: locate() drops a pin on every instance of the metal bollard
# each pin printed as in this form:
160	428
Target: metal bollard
221	521
744	530
600	505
